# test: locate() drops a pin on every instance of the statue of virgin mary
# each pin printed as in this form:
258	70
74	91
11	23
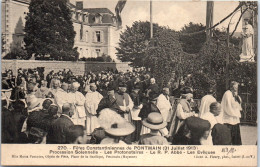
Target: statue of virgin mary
247	47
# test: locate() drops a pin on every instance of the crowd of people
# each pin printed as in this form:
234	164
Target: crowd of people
113	107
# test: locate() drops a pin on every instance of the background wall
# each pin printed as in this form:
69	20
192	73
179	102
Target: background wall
78	68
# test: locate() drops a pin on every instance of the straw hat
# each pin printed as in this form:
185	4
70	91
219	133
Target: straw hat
154	121
121	129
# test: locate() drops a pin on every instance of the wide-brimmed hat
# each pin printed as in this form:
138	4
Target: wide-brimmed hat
121	129
154	121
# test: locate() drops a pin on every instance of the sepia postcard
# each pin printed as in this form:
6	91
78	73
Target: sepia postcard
129	83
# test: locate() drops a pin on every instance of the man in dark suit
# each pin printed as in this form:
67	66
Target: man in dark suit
9	131
58	133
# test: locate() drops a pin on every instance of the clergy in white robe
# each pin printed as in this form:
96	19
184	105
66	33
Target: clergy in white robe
211	116
78	99
91	104
164	105
61	96
205	103
231	105
55	85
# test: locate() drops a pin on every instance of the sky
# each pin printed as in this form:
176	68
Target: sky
174	14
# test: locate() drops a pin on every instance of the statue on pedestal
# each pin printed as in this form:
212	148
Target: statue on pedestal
247	54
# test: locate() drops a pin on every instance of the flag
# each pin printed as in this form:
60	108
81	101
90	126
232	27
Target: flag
119	7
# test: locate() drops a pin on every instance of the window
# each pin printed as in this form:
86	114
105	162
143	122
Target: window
7	26
86	52
81	52
86	36
98	18
77	16
98	36
98	52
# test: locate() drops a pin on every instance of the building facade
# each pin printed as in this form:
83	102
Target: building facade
96	30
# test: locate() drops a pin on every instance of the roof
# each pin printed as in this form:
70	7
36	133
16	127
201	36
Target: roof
23	1
97	10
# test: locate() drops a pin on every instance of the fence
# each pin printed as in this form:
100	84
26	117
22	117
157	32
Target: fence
248	114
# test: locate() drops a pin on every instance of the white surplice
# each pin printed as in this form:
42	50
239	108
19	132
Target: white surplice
213	121
164	105
231	109
91	105
78	100
205	104
61	97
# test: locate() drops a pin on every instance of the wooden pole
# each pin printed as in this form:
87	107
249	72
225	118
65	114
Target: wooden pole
227	60
151	19
209	19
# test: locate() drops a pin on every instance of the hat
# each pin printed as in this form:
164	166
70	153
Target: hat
186	90
122	84
121	129
137	86
154	121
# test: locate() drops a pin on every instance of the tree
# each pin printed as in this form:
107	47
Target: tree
49	30
165	56
210	70
133	43
162	54
3	43
103	58
17	53
192	43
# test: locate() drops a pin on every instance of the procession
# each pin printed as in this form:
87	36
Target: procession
77	75
114	108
